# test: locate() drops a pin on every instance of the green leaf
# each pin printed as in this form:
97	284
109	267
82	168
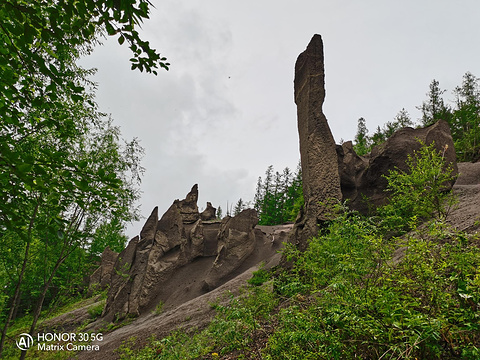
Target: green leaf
24	168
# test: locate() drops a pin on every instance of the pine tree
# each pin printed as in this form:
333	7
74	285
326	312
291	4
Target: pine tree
239	207
362	142
434	108
277	197
465	124
259	195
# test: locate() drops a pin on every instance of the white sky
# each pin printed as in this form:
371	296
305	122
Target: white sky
225	110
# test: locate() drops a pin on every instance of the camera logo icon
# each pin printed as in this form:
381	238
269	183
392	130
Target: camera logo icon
24	342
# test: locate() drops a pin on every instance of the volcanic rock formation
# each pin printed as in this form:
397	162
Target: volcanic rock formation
362	177
209	213
321	180
335	172
174	252
102	276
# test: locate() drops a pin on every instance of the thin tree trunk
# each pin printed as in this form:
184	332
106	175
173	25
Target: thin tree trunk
16	294
39	305
74	225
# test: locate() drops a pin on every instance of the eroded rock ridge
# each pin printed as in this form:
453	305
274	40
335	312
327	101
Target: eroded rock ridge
153	267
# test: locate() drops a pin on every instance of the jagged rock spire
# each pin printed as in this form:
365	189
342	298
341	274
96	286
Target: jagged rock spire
321	180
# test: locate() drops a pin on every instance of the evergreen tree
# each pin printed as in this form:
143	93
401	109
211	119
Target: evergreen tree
239	207
259	195
465	124
362	142
434	108
378	137
294	197
277	197
401	120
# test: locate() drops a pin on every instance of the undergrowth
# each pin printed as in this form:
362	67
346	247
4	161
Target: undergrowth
22	325
347	298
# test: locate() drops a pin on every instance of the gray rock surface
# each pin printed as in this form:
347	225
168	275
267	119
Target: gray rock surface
102	276
362	177
178	244
210	213
321	180
236	241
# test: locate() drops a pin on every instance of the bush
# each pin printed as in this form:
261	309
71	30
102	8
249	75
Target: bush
359	304
420	192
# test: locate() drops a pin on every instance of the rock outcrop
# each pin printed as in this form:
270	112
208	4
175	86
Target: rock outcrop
168	249
335	172
236	241
362	177
210	213
321	179
102	276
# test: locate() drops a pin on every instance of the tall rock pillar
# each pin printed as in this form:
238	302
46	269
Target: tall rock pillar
321	180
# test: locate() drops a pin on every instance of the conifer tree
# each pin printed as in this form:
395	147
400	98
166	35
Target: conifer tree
239	207
465	124
434	108
362	141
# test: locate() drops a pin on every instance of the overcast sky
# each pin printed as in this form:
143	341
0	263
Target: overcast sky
225	110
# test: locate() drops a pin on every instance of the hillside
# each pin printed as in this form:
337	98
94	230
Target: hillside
198	312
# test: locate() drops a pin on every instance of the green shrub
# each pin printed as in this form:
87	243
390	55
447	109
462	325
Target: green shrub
259	277
96	310
159	308
420	192
364	306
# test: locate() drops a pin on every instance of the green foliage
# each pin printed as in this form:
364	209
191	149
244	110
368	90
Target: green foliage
235	328
362	140
96	310
63	167
419	193
108	234
239	207
362	305
278	197
363	143
463	119
434	108
159	308
219	213
259	277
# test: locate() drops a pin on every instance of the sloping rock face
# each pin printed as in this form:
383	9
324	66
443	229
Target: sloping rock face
143	271
362	177
102	277
210	213
321	179
236	241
